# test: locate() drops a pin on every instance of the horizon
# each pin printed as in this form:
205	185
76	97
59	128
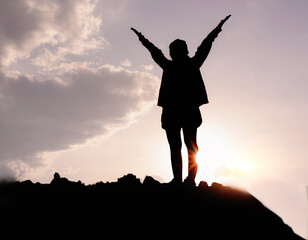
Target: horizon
78	94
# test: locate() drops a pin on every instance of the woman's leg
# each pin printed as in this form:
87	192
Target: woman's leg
175	143
190	139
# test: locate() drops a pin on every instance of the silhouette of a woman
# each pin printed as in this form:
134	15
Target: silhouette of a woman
181	93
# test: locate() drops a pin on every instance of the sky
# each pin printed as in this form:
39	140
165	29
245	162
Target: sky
78	94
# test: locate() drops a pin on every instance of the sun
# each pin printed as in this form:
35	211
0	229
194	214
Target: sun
216	152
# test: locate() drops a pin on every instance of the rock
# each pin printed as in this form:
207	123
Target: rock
150	181
27	182
216	212
216	185
203	184
129	179
58	180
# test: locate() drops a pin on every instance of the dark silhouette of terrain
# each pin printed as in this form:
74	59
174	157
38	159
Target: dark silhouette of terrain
128	208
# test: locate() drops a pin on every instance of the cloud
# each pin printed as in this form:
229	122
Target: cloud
55	90
64	26
126	63
148	67
6	173
51	115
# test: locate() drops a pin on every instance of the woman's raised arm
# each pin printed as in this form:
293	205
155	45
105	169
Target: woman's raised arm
156	53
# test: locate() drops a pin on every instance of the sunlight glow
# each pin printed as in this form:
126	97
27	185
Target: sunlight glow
217	157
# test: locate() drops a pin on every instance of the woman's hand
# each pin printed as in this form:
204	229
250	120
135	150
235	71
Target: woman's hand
137	33
222	22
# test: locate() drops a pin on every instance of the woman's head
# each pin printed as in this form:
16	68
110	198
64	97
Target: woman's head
178	49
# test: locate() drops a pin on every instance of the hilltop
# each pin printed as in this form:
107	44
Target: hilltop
131	208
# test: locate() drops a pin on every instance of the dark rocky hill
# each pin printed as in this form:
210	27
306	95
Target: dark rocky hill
128	208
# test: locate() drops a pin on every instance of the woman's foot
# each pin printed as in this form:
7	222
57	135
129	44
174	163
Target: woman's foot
175	181
190	182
